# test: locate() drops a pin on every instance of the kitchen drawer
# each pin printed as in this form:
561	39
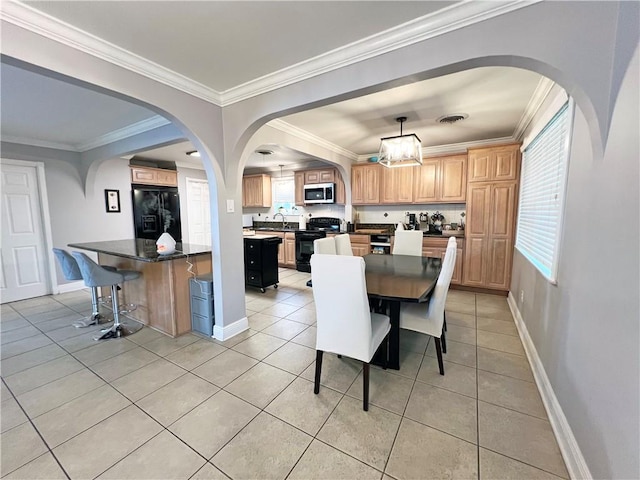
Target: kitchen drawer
254	278
253	262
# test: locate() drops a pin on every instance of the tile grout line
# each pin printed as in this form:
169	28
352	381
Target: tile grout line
477	385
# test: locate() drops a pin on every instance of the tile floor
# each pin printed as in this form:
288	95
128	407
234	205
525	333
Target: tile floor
149	406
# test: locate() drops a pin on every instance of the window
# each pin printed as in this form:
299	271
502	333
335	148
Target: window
542	193
283	195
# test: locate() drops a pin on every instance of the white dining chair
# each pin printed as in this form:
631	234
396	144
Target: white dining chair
430	318
343	244
408	242
345	326
325	246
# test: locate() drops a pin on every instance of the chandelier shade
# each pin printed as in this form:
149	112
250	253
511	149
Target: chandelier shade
401	150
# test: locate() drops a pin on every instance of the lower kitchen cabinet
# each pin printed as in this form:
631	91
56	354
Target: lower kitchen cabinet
290	249
261	261
360	245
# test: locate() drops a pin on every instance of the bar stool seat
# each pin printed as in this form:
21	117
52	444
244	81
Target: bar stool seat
95	275
71	271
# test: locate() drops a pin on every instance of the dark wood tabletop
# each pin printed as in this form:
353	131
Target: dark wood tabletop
397	279
402	278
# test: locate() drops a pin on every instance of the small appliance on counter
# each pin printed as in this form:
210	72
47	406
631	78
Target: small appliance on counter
436	219
412	221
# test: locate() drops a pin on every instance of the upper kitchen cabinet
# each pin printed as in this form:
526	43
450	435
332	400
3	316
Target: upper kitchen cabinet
154	176
397	185
500	163
256	191
316	176
365	184
441	180
319	176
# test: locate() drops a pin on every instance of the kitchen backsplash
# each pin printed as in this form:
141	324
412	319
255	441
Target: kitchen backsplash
292	214
396	213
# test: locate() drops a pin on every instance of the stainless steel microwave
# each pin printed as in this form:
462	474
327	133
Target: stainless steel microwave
320	193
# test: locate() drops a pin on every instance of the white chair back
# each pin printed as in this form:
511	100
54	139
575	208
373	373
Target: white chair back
342	307
343	244
435	311
325	246
408	242
452	241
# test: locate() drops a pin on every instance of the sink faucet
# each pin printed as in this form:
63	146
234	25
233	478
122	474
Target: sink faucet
284	221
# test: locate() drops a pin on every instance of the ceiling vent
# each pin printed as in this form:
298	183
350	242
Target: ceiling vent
456	117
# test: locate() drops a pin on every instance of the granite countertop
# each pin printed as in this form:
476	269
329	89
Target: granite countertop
390	231
141	249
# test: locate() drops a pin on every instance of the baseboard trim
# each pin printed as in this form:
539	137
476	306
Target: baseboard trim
571	453
71	287
228	331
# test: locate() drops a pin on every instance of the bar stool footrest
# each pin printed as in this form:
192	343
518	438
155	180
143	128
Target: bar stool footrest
96	319
117	331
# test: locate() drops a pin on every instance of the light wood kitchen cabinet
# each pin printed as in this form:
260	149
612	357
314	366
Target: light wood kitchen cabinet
319	176
256	191
441	180
280	248
365	184
290	249
360	244
396	185
154	176
500	163
298	180
437	247
425	188
490	234
310	177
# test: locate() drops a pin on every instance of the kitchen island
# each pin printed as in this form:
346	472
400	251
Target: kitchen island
161	293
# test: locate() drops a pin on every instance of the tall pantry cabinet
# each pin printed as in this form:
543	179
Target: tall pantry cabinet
492	196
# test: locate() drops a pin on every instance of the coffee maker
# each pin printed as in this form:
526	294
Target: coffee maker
413	222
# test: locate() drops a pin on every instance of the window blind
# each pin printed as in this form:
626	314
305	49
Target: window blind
542	192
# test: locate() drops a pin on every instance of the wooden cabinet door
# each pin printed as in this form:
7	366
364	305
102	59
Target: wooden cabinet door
143	175
298	179
358	184
479	165
501	234
426	186
290	250
432	252
168	178
505	163
319	176
396	185
453	179
372	184
476	234
360	250
256	191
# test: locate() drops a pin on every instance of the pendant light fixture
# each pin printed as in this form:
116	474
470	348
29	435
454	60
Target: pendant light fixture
401	150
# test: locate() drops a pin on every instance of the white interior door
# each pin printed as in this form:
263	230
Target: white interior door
24	271
198	211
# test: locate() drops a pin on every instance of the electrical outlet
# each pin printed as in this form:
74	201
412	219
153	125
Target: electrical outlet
521	296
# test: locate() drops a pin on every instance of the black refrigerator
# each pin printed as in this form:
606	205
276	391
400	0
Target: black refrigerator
156	210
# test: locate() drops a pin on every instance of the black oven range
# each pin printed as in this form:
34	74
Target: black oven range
317	227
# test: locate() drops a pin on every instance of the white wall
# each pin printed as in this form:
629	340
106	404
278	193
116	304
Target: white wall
586	329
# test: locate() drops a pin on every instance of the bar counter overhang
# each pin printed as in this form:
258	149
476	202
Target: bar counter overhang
162	291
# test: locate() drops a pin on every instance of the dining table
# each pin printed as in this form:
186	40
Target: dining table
395	279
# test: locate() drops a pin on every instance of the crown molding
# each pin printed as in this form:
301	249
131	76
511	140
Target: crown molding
124	132
540	94
309	137
31	19
39	143
443	21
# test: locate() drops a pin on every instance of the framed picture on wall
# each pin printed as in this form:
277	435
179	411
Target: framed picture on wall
112	201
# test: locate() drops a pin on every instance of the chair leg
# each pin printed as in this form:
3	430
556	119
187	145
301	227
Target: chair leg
439	354
365	386
445	320
316	386
444	342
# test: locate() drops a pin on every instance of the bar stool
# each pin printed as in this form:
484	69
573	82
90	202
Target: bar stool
95	275
71	271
